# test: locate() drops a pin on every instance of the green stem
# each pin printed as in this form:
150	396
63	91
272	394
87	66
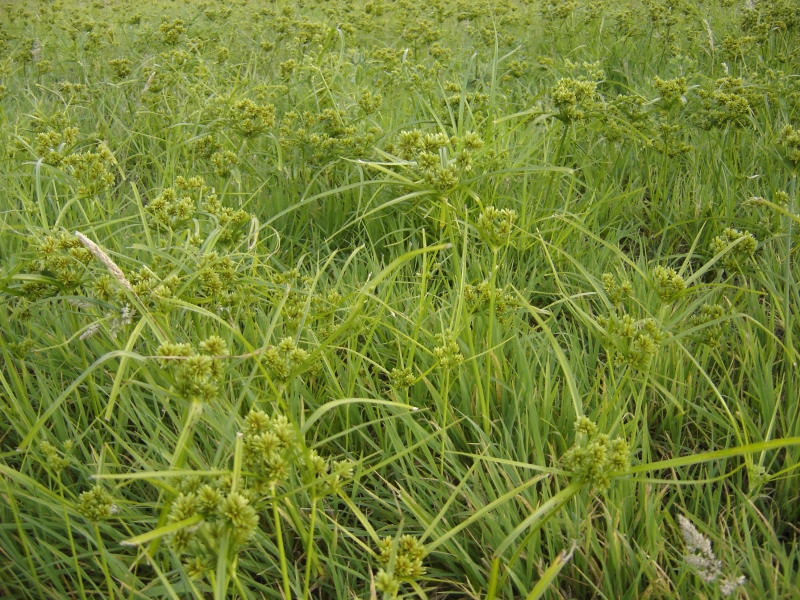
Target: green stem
178	458
490	594
103	564
445	410
78	571
287	591
310	548
557	162
789	283
489	336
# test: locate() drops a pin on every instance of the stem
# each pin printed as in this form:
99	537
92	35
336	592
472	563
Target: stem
493	579
789	283
287	591
103	564
557	161
492	298
179	456
71	541
446	409
310	547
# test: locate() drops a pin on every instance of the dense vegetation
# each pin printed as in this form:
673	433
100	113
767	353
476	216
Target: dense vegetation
338	299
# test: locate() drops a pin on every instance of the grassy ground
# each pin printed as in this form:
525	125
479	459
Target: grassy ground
450	299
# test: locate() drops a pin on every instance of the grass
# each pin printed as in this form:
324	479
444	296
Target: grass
470	299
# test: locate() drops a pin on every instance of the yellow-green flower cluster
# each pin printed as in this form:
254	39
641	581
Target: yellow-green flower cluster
408	554
222	512
64	257
196	375
670	90
435	158
20	350
144	282
496	226
711	334
206	146
251	119
401	377
670	140
573	97
668	283
369	102
297	307
636	342
223	162
558	10
617	291
176	206
329	132
455	93
271	454
735	256
229	220
765	17
517	68
729	102
386	583
478	297
447	353
52	146
270	446
91	169
96	504
171	31
53	459
121	67
170	210
595	456
284	358
789	144
325	477
218	277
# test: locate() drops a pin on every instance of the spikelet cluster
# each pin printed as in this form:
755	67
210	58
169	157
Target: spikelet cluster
408	554
496	226
219	510
189	199
595	456
447	353
478	297
636	342
331	132
53	459
737	256
789	144
572	98
436	159
668	283
196	375
251	119
401	378
711	333
96	504
283	359
617	288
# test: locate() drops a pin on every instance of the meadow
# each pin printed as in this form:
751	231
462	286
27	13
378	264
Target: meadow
369	299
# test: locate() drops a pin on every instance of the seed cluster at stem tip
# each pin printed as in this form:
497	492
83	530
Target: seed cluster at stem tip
406	566
595	456
96	504
668	283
